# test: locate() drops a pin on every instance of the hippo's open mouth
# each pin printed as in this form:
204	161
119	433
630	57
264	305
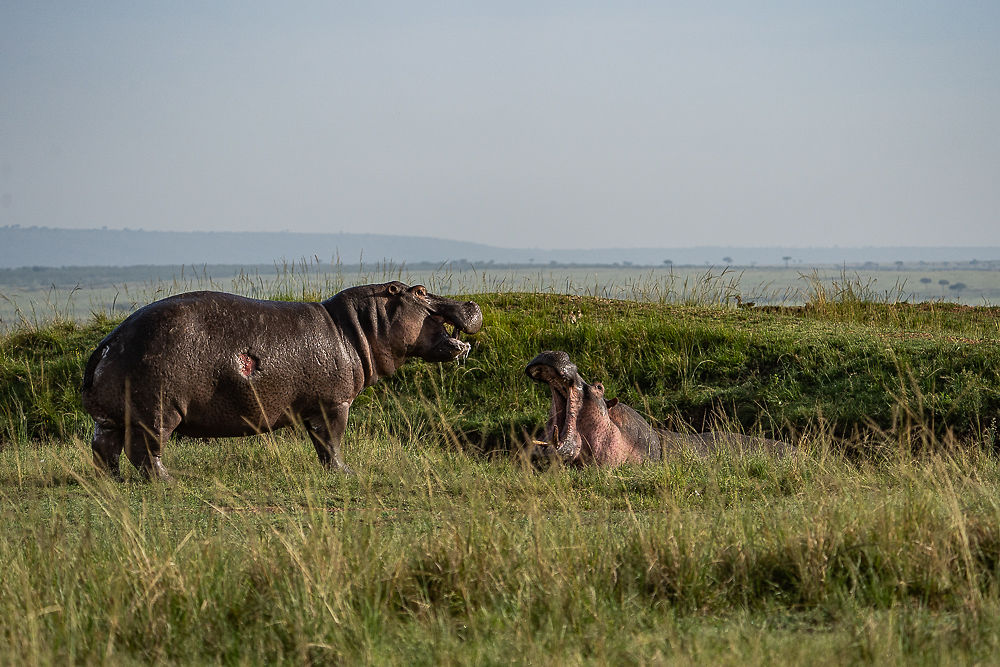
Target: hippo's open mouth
459	318
456	328
556	370
450	341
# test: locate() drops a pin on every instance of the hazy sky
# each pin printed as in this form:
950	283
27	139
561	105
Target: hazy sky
569	124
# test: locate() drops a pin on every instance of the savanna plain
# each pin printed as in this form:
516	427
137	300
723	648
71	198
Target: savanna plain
876	541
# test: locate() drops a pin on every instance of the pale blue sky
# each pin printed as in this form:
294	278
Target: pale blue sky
572	124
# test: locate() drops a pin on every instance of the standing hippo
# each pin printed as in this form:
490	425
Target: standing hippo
584	428
209	364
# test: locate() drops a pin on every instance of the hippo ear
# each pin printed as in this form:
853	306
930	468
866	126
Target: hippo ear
612	403
394	289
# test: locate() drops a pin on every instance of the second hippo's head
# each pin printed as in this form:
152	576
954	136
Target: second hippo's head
572	397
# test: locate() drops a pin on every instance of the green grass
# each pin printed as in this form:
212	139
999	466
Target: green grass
431	556
878	541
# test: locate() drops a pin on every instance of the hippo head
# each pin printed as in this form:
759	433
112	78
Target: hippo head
421	320
397	322
579	410
584	428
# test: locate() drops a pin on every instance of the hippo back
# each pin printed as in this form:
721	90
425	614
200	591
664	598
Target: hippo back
711	443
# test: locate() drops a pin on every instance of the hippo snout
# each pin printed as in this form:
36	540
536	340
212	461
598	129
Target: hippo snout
466	316
552	365
472	320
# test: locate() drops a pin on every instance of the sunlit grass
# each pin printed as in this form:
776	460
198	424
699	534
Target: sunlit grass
257	554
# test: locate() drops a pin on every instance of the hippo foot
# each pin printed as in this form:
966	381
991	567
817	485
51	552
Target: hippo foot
339	467
115	474
156	472
105	468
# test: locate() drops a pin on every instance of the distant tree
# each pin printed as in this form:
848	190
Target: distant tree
668	262
787	259
958	287
942	282
727	260
925	280
899	264
627	263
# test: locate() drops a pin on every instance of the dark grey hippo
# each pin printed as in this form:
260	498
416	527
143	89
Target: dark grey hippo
584	428
209	364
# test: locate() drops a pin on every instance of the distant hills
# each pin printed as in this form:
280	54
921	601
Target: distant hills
54	247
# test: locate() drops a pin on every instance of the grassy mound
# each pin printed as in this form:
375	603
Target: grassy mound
852	368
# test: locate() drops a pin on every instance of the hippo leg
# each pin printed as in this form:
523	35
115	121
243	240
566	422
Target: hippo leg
144	447
107	443
326	434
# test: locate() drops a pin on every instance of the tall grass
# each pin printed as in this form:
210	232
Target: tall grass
431	556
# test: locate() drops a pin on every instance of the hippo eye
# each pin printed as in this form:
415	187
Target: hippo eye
420	290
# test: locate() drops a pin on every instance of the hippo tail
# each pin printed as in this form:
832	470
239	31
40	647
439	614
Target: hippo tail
95	358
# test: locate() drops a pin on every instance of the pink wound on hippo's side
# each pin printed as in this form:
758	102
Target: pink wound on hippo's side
248	364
